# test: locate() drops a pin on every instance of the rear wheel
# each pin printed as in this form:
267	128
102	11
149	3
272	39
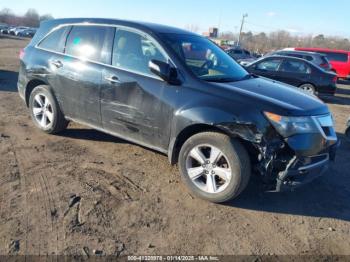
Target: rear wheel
45	111
347	133
309	88
214	166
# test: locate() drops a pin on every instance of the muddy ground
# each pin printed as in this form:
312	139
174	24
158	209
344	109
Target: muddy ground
84	191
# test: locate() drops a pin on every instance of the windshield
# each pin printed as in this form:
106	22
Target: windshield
205	59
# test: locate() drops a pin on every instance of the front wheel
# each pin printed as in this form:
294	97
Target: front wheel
214	166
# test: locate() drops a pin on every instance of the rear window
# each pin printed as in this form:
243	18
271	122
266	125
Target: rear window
88	42
55	41
292	66
339	57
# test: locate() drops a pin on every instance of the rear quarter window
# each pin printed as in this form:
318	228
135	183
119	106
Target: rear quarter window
55	41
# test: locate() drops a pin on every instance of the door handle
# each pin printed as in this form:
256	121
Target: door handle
57	63
113	79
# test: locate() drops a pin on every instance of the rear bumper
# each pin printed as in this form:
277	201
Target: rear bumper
304	170
327	90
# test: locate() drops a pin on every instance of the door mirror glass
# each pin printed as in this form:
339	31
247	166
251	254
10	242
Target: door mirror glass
164	71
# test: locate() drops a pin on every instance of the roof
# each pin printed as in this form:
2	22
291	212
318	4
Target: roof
156	28
284	57
321	50
300	52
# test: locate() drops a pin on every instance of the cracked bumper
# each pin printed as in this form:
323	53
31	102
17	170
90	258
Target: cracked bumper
304	170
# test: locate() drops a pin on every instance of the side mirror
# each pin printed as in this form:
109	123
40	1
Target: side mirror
164	71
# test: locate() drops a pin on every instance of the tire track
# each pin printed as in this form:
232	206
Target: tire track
53	210
34	231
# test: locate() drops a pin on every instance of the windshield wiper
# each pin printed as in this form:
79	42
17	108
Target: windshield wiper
221	80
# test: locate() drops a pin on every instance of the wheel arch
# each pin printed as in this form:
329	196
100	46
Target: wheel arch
241	134
30	87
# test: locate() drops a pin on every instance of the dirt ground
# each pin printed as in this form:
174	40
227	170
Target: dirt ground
83	192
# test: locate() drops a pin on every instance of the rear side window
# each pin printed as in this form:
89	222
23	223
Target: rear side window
308	58
55	41
89	42
269	65
338	57
299	67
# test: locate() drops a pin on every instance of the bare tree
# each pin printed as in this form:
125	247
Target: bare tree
264	43
31	18
192	28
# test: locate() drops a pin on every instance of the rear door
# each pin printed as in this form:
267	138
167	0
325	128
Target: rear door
80	71
267	67
295	72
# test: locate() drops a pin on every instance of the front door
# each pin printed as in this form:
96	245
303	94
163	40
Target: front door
267	68
133	100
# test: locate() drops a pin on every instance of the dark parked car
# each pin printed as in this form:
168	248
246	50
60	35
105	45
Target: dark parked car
347	132
30	32
242	56
202	109
320	60
4	29
297	72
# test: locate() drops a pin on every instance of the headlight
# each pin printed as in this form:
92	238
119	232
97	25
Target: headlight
287	126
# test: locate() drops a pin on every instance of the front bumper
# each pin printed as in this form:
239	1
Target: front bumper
304	170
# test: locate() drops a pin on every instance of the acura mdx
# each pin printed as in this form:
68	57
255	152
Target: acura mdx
178	93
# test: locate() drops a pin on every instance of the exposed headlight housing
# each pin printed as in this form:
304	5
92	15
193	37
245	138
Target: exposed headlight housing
288	126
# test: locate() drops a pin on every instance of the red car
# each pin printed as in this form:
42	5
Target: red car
339	59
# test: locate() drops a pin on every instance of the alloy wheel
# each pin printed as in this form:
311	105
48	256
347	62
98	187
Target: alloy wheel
42	111
208	168
308	88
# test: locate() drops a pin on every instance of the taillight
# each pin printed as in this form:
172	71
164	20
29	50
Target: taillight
21	54
335	79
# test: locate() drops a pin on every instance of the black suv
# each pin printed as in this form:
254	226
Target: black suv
177	93
318	59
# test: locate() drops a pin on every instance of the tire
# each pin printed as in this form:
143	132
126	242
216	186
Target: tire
309	88
347	133
43	105
230	172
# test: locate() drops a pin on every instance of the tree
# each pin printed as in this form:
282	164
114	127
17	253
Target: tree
192	28
46	17
32	18
5	15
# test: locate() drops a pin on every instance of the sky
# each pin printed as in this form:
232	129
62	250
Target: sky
300	17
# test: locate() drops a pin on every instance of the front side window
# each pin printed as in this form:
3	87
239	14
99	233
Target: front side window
55	41
133	51
88	42
205	59
269	65
299	67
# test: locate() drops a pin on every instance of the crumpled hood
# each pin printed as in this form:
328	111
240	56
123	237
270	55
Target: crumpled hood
274	96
